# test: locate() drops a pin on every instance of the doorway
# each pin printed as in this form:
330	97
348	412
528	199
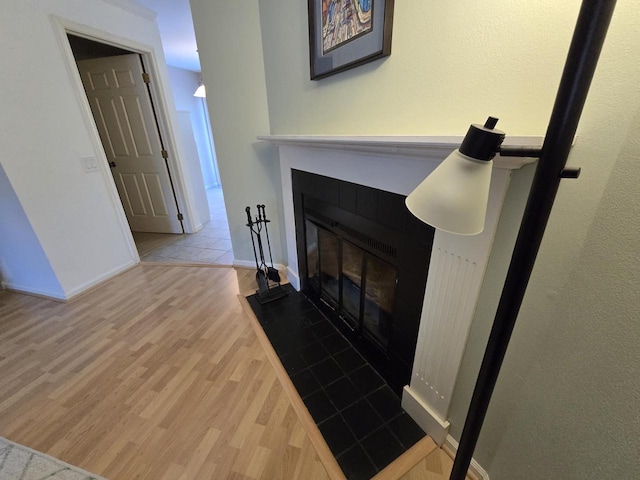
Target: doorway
116	85
210	245
143	192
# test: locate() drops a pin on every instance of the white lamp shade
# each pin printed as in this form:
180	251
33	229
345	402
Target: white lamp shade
200	92
454	197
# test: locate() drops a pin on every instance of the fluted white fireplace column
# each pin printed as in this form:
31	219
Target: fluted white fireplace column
458	263
455	277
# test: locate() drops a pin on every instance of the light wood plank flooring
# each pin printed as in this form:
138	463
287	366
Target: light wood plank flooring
157	374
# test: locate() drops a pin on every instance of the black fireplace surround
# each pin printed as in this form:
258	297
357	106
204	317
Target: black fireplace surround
363	259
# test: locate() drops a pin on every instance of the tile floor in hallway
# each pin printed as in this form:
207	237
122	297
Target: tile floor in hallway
211	245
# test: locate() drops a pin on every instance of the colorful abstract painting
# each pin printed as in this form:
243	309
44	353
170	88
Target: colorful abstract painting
344	20
345	34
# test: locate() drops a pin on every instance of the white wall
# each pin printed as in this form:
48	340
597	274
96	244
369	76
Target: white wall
45	128
192	171
196	149
452	63
233	72
183	84
23	264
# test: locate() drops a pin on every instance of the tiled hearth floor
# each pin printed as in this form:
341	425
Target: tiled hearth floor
358	415
211	245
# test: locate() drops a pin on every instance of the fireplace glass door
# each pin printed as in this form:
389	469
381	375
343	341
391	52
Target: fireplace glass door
352	263
360	286
379	299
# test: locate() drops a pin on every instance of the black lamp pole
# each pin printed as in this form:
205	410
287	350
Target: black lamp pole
588	38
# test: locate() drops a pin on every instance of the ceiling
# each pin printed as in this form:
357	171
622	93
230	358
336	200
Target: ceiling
176	31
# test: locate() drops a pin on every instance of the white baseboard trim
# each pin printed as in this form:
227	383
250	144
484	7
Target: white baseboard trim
475	469
252	264
244	263
14	287
293	278
429	421
74	292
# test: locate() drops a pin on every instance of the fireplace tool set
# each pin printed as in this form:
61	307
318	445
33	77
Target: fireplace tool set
267	277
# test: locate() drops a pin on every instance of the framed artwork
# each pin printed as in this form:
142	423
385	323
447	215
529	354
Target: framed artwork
344	34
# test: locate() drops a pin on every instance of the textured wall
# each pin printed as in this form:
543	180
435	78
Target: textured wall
452	63
566	402
568	383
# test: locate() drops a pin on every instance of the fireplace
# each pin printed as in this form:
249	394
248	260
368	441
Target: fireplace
358	285
363	258
396	165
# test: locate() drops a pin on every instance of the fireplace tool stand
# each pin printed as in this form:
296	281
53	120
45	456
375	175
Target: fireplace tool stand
267	277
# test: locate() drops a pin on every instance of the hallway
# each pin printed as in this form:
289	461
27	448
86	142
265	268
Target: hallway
211	245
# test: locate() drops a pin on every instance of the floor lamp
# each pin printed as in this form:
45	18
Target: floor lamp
439	204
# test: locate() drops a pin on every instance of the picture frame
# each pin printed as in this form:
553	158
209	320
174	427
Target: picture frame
344	34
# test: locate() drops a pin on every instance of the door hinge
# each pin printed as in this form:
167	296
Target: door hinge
146	78
165	154
180	217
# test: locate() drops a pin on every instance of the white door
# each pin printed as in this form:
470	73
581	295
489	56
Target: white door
124	116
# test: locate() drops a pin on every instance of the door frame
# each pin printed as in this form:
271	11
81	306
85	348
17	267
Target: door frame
150	60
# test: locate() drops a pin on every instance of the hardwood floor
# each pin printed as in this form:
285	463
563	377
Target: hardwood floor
157	374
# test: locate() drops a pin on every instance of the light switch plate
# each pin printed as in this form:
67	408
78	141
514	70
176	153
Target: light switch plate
89	164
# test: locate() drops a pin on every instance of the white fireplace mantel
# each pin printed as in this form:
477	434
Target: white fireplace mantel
427	147
398	164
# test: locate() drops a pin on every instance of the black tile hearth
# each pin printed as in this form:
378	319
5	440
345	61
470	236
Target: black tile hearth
359	416
349	360
385	403
313	353
407	431
356	464
337	435
293	362
326	371
322	329
319	406
305	383
362	419
343	393
382	447
335	343
366	379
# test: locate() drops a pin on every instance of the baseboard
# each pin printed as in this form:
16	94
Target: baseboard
476	472
14	287
74	292
429	421
244	263
294	279
252	264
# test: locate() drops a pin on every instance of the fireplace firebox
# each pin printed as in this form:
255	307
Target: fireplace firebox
363	259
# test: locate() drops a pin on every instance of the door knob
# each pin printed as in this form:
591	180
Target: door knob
112	164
